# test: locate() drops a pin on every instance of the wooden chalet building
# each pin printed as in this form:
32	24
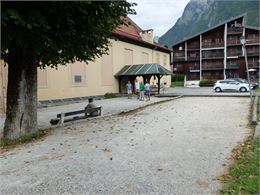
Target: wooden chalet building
217	52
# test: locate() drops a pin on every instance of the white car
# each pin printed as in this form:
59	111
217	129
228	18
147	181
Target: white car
222	85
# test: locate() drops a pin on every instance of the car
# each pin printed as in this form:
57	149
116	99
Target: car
253	84
230	84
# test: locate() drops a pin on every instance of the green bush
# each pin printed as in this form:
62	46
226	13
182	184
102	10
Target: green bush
207	83
177	84
178	77
109	95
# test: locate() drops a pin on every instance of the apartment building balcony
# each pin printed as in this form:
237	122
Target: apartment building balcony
234	53
212	56
212	44
212	66
193	46
194	68
178	56
193	76
253	66
179	68
233	42
252	41
234	30
193	56
254	52
232	66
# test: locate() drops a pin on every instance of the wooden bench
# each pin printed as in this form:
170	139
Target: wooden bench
77	115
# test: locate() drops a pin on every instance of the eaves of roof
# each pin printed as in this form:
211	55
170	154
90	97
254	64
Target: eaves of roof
216	26
143	69
137	41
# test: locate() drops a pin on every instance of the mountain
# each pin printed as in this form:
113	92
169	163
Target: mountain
199	15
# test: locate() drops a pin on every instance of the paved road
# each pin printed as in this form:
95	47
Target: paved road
178	147
202	91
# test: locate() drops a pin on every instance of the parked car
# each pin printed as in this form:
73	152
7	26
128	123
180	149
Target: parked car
229	84
253	84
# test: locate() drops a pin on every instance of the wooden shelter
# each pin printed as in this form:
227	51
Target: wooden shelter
130	72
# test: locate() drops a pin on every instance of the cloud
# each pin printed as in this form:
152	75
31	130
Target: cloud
158	15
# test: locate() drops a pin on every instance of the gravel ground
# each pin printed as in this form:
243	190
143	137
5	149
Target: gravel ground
178	147
109	107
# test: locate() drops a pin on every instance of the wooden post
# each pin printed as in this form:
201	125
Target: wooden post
159	85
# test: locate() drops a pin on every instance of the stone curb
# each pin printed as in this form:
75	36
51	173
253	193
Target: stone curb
114	114
197	95
154	103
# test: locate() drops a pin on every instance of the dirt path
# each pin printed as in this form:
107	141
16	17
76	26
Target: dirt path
177	147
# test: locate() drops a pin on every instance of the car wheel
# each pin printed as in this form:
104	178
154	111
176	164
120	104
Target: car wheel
242	89
218	89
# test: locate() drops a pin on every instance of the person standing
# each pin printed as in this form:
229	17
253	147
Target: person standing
141	91
137	88
129	89
147	91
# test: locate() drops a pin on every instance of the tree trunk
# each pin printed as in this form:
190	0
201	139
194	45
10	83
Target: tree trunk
21	113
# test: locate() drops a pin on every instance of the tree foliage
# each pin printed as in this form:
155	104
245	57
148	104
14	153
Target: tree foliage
60	32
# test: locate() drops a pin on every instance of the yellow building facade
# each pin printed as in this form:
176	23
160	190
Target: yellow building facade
82	79
97	78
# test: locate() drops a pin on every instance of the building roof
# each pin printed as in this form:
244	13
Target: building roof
131	33
253	28
213	27
143	69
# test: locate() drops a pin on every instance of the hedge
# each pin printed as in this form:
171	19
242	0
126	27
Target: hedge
178	77
207	83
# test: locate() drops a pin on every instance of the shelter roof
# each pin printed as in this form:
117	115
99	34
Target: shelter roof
143	69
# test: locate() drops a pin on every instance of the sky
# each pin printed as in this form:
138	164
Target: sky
159	15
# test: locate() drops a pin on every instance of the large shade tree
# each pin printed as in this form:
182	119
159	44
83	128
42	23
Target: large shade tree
40	34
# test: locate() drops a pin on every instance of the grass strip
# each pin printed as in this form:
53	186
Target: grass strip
177	84
243	176
6	142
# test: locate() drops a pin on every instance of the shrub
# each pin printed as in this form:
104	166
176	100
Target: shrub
206	83
109	95
178	77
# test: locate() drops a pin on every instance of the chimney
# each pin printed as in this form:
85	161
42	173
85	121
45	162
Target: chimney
147	35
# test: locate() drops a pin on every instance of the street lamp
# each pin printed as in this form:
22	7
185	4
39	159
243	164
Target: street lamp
259	73
243	42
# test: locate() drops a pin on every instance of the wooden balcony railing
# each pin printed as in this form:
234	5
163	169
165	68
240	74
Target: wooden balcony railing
233	30
233	66
179	68
212	66
193	46
212	44
178	56
194	67
212	56
233	42
235	53
255	40
252	52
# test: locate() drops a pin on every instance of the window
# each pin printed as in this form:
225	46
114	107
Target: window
78	73
145	58
42	78
77	79
157	58
107	77
164	60
128	56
